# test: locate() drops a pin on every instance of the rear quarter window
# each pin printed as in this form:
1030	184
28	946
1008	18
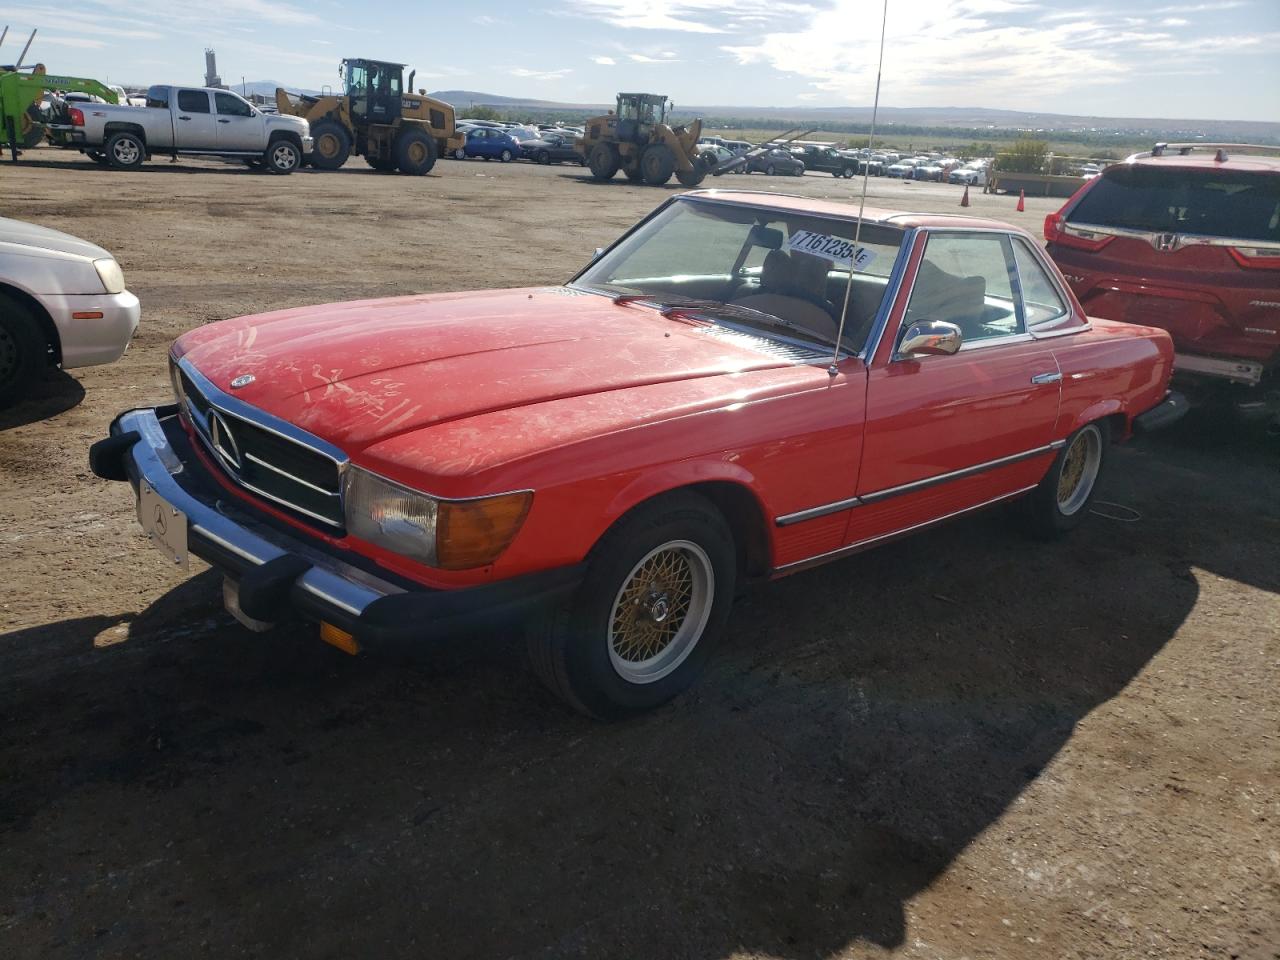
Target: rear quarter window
1241	205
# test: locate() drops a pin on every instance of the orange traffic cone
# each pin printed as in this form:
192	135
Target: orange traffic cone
1022	201
964	201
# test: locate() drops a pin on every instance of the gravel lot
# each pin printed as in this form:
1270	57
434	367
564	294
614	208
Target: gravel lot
964	745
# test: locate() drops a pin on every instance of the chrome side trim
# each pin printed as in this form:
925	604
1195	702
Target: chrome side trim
814	512
873	541
977	468
1047	378
877	496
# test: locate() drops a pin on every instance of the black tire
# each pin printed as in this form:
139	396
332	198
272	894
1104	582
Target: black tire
847	172
544	158
125	150
631	169
657	163
380	164
1044	513
415	152
800	170
574	650
604	161
506	156
24	354
460	154
332	145
282	157
97	156
768	171
694	177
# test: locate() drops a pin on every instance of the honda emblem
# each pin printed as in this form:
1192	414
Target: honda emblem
1164	242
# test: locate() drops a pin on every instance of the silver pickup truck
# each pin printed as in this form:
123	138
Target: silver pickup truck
190	121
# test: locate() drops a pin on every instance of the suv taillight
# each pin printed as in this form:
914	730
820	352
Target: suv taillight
77	117
1057	230
1256	258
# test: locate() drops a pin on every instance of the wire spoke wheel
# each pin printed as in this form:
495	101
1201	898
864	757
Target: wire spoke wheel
661	611
1079	471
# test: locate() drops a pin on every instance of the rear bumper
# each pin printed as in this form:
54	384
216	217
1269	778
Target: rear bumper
1169	411
1238	371
281	574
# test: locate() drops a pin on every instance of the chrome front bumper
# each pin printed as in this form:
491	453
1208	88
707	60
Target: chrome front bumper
278	574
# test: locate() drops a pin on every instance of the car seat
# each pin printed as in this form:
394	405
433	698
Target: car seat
785	291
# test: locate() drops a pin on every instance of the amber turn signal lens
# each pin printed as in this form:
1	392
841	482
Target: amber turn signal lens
471	533
339	638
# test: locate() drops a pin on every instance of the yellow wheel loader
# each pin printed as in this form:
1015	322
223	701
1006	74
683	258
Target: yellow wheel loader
375	117
637	140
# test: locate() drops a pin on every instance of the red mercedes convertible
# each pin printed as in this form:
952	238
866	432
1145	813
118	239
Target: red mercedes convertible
740	387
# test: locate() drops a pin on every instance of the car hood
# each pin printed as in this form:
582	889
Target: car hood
16	234
362	372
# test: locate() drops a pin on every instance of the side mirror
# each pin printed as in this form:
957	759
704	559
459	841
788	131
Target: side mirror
596	255
930	338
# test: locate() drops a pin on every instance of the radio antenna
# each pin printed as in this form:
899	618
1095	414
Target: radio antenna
862	202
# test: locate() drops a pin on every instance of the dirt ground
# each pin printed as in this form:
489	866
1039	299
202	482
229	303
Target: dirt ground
964	745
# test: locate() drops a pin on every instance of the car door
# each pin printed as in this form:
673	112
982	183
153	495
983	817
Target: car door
945	434
478	144
194	128
239	126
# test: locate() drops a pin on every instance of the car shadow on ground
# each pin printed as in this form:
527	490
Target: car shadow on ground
49	396
860	726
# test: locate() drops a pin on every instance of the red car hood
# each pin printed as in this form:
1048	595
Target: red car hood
358	373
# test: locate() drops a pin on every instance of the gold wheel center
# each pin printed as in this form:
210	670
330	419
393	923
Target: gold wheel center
653	607
1072	470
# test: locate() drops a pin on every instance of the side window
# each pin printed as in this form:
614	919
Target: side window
1040	298
231	106
193	101
964	279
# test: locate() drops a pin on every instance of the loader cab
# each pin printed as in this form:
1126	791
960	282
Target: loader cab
638	114
374	89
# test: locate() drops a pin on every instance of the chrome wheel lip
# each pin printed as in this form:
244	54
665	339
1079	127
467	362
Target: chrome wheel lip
687	636
1088	445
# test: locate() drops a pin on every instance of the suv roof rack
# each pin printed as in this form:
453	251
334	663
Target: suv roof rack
1219	149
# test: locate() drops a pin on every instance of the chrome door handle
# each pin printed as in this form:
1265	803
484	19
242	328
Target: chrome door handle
224	121
1046	378
184	118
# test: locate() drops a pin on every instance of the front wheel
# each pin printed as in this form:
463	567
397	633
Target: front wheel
283	157
459	154
505	156
23	351
1062	499
656	596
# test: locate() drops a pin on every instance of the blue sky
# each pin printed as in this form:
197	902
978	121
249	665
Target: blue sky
1215	59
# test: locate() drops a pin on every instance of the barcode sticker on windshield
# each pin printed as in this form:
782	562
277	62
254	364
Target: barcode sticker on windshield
835	249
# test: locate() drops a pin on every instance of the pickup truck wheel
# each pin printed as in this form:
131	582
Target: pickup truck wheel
332	145
657	594
415	152
847	172
23	351
1062	499
125	151
283	157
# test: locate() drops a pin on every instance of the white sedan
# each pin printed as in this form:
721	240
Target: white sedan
62	304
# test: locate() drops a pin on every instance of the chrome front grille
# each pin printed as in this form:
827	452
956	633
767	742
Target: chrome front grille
265	455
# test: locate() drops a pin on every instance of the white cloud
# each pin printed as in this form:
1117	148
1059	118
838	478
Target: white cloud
642	58
694	16
1174	22
528	74
485	20
83	43
604	61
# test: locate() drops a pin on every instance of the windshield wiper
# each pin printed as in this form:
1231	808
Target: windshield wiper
734	311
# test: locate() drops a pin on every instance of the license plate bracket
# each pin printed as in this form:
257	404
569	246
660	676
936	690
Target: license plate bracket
164	524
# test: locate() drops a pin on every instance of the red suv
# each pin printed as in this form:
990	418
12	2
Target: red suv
1186	237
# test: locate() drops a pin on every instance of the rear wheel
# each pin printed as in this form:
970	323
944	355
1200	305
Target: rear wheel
1063	497
332	145
657	163
656	595
282	157
415	152
125	151
23	351
847	172
604	161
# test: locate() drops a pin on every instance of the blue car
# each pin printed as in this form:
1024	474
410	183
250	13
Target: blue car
490	143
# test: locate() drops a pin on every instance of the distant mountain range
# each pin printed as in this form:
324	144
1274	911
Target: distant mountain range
966	118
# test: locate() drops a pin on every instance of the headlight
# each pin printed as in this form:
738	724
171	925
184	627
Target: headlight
449	534
110	274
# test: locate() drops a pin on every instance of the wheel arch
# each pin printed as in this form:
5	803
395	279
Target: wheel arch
733	494
122	126
1111	410
47	326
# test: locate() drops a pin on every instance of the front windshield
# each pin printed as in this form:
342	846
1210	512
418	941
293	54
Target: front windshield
775	263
